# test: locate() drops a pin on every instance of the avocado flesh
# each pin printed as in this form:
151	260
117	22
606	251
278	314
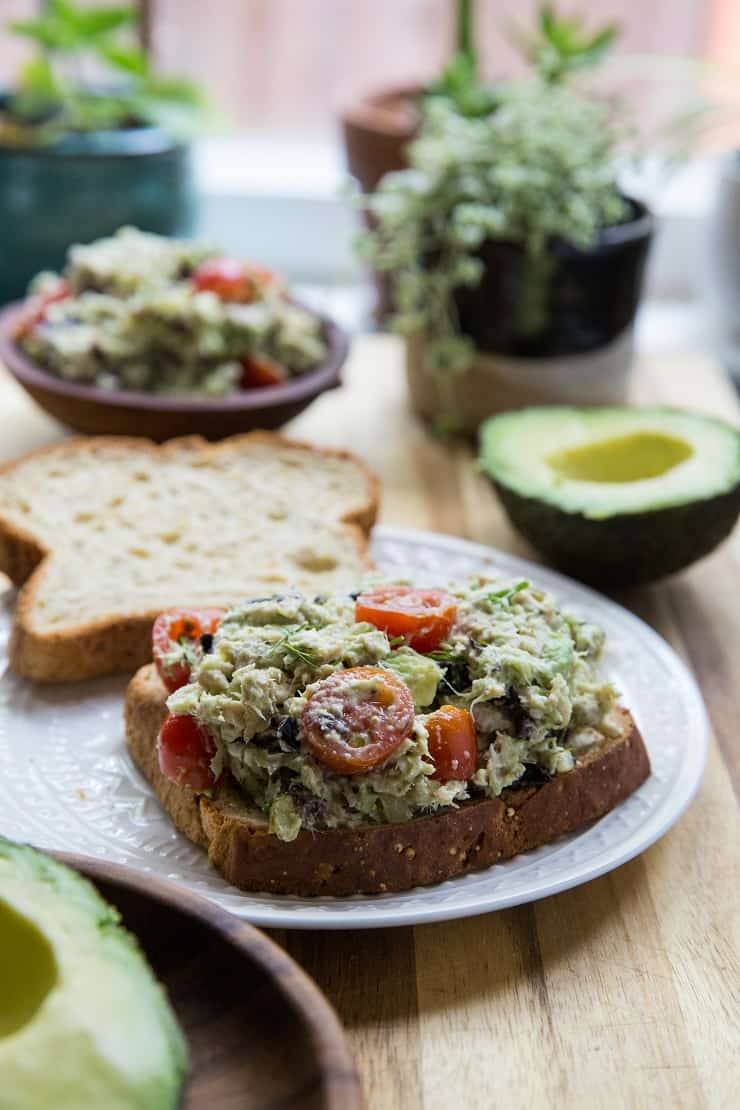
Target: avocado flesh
85	1023
29	969
631	458
615	496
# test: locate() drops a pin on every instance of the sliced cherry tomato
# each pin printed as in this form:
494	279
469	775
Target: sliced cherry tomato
423	617
181	629
356	718
262	277
36	307
452	744
232	280
185	752
259	371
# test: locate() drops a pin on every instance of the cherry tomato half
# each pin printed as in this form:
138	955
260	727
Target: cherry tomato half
36	307
452	744
356	718
181	629
231	280
423	617
185	752
259	371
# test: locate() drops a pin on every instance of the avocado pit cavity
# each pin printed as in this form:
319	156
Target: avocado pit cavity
627	458
28	970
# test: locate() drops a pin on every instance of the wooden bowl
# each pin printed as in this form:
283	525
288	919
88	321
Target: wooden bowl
127	412
259	1031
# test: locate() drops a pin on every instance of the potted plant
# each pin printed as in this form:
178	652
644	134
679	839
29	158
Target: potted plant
378	126
514	260
91	137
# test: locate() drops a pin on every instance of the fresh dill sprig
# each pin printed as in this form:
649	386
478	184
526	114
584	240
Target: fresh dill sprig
305	654
302	653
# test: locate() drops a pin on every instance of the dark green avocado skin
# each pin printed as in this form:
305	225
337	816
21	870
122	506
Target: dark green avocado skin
627	549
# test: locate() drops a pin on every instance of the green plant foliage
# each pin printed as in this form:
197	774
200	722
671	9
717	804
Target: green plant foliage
459	83
562	46
527	161
65	26
460	80
53	97
540	167
557	48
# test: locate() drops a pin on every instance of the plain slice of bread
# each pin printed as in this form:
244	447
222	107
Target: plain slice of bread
104	533
381	858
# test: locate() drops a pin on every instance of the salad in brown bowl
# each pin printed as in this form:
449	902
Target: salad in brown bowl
138	327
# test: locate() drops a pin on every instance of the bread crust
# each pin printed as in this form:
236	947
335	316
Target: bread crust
120	645
380	859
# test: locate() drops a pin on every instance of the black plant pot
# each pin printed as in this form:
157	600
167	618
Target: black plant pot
579	302
83	187
557	334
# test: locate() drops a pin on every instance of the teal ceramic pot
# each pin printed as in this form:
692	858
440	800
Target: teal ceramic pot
83	187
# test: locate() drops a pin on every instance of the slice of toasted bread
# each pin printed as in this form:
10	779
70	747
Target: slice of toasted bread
380	858
107	532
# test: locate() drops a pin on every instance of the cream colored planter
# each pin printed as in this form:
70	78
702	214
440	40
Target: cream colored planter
495	383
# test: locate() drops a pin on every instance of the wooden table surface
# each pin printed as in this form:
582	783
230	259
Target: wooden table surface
621	993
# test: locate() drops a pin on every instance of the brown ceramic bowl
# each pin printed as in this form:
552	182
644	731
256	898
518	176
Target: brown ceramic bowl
87	408
259	1032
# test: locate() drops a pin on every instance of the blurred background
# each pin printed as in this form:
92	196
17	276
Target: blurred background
271	172
284	66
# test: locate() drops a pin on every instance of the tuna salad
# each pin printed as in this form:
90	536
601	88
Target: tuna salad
139	311
336	712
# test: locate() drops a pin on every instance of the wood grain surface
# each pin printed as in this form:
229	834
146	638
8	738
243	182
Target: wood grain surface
621	993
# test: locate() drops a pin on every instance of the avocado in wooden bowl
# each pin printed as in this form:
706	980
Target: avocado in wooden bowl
122	991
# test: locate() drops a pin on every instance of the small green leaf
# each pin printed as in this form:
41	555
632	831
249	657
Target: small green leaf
177	90
46	32
91	23
103	113
39	94
560	34
562	46
38	78
604	39
130	59
63	10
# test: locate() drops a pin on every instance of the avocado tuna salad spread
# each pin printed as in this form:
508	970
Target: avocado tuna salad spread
142	312
336	712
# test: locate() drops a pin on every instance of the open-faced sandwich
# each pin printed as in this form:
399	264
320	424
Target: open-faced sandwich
377	741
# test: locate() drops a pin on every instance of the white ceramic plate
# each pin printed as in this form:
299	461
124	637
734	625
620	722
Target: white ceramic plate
67	782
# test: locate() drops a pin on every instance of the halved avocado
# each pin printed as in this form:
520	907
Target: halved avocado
84	1025
615	496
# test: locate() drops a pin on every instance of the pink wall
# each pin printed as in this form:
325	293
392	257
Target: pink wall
288	63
